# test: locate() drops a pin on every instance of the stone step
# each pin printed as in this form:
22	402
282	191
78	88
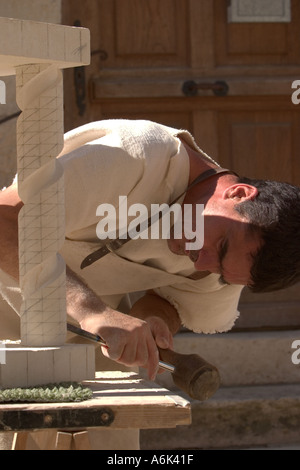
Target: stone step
245	358
268	315
236	418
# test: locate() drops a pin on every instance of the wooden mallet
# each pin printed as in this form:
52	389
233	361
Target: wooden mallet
192	374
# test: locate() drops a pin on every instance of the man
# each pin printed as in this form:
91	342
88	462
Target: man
150	163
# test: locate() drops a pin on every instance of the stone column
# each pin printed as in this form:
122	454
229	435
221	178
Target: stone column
36	53
41	220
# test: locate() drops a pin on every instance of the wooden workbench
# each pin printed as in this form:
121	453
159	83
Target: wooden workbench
121	400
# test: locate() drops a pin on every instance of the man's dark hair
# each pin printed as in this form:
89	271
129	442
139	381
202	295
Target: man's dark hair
275	213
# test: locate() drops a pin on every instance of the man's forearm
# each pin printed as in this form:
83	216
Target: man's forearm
10	205
82	302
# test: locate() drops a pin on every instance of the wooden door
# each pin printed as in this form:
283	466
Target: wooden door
143	54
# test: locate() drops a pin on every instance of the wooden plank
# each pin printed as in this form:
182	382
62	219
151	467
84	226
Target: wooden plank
81	441
39	440
63	440
112	87
120	400
20	441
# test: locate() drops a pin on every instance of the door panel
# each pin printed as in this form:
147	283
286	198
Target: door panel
260	144
154	38
256	43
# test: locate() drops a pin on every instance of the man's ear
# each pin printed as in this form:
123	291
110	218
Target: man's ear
241	192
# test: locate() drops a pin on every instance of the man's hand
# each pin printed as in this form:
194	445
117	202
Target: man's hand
131	341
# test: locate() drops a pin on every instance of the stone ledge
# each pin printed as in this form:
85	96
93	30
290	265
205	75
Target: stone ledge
248	358
236	417
27	42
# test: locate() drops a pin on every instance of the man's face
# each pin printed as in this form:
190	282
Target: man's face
228	244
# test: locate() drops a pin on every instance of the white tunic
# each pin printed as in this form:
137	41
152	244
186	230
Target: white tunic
148	163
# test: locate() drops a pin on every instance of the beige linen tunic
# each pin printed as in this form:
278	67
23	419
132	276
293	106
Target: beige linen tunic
148	163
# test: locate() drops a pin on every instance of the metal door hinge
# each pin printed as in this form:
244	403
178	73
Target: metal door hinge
219	88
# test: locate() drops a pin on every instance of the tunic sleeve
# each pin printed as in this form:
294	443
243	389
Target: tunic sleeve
204	306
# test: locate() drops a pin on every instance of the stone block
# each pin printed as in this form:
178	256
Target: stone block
26	367
29	42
